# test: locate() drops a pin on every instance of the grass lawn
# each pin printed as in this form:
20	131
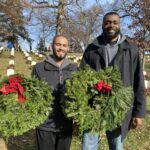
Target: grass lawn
4	57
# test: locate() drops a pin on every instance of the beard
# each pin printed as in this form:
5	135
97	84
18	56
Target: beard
59	57
110	35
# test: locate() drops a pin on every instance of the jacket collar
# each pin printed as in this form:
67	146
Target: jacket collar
99	42
50	63
124	45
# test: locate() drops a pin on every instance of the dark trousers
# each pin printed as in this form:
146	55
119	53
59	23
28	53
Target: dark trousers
47	140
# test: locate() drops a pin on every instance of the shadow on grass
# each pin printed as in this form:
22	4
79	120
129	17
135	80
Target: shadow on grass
23	142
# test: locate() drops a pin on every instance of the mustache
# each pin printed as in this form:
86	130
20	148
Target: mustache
117	32
60	50
110	28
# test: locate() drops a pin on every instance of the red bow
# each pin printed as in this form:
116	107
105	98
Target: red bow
14	86
101	86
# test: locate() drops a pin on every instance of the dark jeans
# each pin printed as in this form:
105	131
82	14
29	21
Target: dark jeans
47	140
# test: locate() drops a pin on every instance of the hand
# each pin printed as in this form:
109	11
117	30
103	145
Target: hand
136	123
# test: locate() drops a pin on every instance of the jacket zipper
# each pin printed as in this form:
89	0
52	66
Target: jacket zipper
60	77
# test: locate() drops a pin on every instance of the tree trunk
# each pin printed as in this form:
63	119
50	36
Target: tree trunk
60	17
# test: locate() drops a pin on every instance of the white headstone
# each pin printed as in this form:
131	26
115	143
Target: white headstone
1	48
36	54
29	58
12	53
10	72
26	54
33	63
75	60
40	56
11	62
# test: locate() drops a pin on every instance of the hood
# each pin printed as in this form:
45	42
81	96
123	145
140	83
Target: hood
50	59
108	50
101	41
121	38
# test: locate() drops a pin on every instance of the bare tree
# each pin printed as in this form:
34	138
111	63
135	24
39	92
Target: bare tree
139	12
83	26
53	17
56	10
11	11
60	17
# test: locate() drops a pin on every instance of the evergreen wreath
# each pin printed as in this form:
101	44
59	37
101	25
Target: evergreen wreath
24	104
96	101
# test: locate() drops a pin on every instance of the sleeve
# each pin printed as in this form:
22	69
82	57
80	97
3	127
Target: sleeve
83	61
139	108
75	68
34	72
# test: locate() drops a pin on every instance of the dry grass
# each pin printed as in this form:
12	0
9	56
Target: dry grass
4	58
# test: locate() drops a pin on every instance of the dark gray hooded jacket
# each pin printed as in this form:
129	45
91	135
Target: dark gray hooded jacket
55	76
126	57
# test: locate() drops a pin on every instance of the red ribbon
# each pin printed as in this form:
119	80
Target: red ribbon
101	86
14	86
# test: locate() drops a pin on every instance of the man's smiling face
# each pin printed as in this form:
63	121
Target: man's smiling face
111	26
60	47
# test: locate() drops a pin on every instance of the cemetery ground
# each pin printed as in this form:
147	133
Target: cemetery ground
136	139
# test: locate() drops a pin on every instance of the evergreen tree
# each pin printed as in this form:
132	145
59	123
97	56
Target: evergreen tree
41	46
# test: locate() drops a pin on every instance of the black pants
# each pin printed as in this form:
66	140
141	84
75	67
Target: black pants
47	140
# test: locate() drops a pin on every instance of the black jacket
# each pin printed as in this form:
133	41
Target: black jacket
55	76
128	61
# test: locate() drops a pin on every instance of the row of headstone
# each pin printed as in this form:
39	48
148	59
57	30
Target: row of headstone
147	58
38	55
75	59
11	63
29	59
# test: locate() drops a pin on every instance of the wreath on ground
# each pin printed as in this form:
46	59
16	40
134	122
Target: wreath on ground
96	101
24	104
